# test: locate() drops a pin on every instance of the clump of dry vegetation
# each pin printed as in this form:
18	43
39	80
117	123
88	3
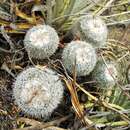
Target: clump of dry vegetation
89	102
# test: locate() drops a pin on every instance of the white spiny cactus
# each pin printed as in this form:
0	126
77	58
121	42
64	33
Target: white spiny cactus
106	75
41	41
38	91
81	56
93	29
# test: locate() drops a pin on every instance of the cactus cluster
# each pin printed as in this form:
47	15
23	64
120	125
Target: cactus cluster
38	91
93	29
106	75
41	41
81	56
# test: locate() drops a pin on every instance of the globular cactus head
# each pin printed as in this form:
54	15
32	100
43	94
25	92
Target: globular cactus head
41	41
106	75
93	29
81	56
38	91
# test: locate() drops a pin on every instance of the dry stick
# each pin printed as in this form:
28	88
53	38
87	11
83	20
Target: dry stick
119	22
74	99
5	68
123	56
117	41
7	38
114	15
30	59
55	128
4	50
105	7
29	121
112	124
4	15
3	112
40	125
76	96
40	128
20	52
68	15
74	103
119	4
23	15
